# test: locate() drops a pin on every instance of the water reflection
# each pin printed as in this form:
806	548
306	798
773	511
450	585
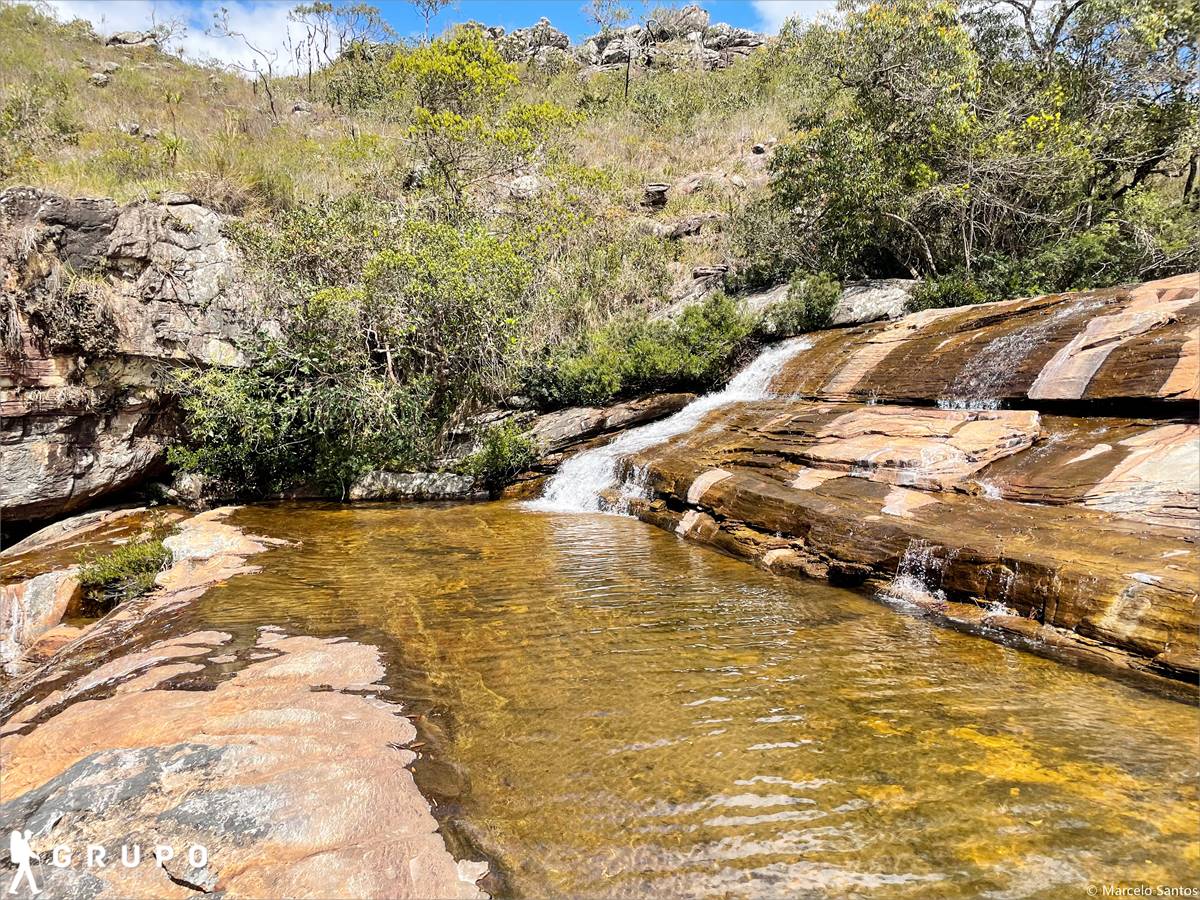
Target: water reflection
611	711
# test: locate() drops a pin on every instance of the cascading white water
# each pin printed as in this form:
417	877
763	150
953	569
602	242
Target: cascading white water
580	481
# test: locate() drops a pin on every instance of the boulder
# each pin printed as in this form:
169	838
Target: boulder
133	39
655	195
28	609
563	428
80	393
524	187
867	301
415	486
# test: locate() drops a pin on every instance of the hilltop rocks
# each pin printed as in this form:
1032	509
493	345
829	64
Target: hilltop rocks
526	43
151	285
672	38
1078	531
133	39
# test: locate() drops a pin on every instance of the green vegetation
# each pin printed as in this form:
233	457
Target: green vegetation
434	228
808	307
636	355
506	451
125	572
1020	151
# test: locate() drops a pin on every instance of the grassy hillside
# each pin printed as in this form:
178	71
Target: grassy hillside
440	228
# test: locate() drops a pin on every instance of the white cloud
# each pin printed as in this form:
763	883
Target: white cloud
264	24
773	13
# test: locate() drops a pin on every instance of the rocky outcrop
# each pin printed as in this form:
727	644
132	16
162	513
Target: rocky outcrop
530	43
671	38
416	486
1029	468
133	39
1136	345
99	300
271	752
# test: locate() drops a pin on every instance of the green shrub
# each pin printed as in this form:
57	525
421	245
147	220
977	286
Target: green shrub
808	307
506	451
636	355
125	572
947	291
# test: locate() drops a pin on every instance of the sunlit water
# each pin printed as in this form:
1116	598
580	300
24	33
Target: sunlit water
608	710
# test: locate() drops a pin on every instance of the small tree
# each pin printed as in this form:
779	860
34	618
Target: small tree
607	14
461	121
261	68
428	10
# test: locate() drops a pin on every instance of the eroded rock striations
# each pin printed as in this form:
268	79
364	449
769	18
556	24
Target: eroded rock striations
98	300
1031	467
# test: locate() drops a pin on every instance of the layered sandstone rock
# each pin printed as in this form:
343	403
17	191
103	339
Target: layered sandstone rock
1138	343
930	457
272	752
99	300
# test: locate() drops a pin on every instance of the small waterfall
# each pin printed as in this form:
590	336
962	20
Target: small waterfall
918	578
982	380
580	480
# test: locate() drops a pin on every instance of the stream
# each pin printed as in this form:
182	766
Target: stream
607	710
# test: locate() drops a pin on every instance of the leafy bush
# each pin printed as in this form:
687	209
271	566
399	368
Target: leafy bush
125	572
462	120
506	451
310	410
950	290
365	374
943	137
808	307
636	355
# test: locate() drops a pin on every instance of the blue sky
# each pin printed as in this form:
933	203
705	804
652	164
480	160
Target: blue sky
265	21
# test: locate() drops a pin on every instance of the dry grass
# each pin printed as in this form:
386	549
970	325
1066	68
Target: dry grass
209	133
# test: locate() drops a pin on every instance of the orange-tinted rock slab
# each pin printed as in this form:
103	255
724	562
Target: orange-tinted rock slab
1115	344
272	752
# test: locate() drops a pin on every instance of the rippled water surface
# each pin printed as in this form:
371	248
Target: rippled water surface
610	711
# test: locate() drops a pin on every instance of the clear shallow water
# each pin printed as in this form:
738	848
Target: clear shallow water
610	711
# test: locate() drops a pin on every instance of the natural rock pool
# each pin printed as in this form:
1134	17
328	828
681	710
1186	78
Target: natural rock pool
607	710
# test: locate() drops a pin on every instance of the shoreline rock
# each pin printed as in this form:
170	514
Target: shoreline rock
912	455
80	386
272	751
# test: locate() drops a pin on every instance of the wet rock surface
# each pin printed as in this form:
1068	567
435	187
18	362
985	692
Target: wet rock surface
1133	344
80	393
273	752
921	456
